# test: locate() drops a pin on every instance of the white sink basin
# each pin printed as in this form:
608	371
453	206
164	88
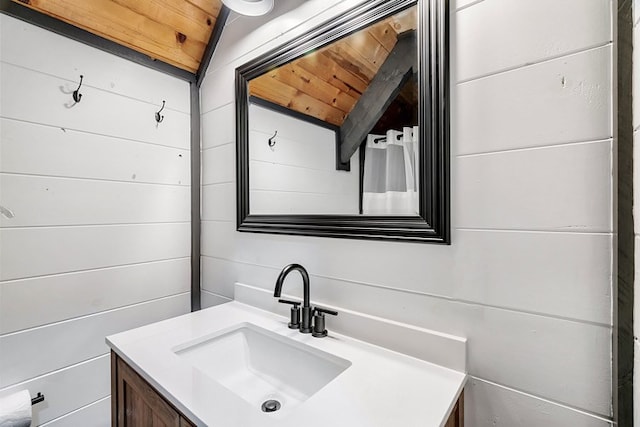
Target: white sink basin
260	365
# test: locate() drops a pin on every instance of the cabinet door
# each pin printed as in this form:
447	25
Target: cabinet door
137	404
456	419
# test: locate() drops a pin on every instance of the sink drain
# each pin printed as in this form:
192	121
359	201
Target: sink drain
270	406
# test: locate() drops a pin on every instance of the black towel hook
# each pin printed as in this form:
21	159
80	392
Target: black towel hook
160	118
77	96
39	398
272	140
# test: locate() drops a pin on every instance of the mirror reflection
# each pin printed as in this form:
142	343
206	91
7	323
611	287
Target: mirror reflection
336	131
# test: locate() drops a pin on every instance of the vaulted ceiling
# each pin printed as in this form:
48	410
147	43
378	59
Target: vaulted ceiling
173	31
327	84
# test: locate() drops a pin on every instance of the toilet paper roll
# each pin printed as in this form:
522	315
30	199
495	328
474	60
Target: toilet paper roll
15	410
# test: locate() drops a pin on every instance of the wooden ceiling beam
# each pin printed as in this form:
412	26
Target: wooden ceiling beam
218	27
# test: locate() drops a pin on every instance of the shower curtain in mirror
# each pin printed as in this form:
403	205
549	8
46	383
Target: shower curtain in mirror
390	173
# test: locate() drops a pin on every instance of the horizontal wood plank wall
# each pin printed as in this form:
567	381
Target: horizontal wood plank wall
298	174
91	415
99	241
527	278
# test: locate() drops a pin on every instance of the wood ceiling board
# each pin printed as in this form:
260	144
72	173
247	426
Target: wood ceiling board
287	84
350	62
404	21
125	23
124	26
190	21
332	79
303	80
409	92
383	90
385	34
210	6
369	48
349	59
327	69
279	93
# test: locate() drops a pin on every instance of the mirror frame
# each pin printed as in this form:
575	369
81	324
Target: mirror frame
432	225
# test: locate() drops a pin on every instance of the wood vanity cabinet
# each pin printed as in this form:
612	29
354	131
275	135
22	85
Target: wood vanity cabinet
456	419
135	403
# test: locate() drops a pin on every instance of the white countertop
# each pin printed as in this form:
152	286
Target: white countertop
381	387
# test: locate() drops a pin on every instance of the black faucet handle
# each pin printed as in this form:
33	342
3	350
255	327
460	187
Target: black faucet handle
295	304
325	311
318	321
295	313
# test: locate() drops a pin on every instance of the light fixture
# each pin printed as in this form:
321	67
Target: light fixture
249	7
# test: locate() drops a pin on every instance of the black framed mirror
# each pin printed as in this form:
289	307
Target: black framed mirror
344	131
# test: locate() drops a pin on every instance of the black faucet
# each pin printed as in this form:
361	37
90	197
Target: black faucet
305	323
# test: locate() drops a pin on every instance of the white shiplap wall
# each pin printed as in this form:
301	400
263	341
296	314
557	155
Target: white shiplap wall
298	174
100	241
528	276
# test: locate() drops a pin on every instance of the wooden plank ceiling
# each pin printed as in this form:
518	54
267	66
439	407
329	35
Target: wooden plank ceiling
327	83
173	31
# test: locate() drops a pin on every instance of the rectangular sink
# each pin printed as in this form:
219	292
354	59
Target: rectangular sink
259	365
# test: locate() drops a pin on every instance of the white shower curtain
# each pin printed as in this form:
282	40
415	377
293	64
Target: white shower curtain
390	173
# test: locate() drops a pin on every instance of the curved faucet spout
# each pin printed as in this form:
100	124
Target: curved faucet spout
305	281
305	323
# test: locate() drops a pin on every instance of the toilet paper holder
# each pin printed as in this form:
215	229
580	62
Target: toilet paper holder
39	398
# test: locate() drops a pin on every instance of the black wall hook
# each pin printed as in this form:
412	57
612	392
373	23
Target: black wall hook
39	398
272	140
77	96
160	118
